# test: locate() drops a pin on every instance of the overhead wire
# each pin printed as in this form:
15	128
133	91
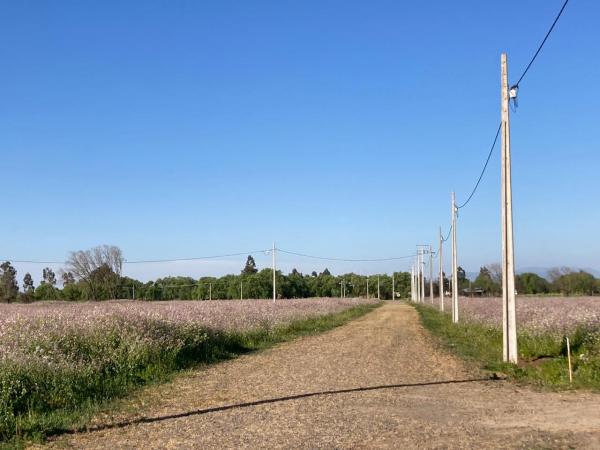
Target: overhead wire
487	161
326	258
541	45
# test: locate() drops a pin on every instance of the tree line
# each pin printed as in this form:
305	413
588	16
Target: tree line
96	274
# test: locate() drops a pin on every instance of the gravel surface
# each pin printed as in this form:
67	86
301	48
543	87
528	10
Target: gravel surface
398	390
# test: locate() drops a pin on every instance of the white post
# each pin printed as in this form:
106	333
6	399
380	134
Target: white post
441	286
454	264
431	274
274	274
509	323
378	292
569	359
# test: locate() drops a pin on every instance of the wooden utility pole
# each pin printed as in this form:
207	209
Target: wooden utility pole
378	292
367	287
454	264
210	291
241	290
274	274
431	274
393	287
441	261
509	322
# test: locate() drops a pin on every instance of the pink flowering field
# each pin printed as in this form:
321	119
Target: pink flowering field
553	315
55	356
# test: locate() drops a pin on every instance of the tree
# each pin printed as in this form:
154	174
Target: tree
250	266
531	283
326	272
28	283
485	280
67	278
48	276
98	268
9	288
463	281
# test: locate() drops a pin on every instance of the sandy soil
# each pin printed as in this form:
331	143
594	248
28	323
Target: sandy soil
378	382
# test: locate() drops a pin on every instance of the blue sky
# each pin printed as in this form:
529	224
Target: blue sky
176	129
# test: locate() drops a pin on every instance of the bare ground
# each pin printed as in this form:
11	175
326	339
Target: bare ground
378	382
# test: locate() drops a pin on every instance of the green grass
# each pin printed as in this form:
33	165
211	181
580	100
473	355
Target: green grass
542	357
38	423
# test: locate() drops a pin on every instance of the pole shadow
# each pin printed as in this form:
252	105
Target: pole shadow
215	409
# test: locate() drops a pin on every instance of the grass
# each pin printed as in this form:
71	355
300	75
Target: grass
542	357
38	423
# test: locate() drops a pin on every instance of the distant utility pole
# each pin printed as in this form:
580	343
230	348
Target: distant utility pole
241	290
431	274
210	291
378	291
419	276
509	322
133	292
412	283
441	261
454	264
274	274
367	287
393	287
422	269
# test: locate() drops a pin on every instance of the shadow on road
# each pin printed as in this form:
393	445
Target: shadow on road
198	412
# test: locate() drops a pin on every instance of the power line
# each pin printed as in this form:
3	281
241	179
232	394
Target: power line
197	258
541	45
345	259
483	170
146	261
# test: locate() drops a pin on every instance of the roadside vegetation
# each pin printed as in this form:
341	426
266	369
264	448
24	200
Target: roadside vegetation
59	368
542	344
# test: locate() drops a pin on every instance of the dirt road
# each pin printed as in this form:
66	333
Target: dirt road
378	382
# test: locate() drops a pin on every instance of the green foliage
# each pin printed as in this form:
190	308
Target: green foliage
250	266
531	283
542	357
9	288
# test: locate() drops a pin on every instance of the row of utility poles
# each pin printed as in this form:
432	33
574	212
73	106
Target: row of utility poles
509	323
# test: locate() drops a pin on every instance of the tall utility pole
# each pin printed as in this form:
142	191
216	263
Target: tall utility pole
422	276
431	274
509	322
441	261
454	264
419	276
378	291
274	274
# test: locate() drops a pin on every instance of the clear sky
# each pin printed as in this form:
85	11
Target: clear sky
338	128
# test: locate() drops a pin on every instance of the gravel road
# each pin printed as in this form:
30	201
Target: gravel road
377	382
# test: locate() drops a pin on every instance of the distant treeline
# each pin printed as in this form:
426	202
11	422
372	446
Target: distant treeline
96	275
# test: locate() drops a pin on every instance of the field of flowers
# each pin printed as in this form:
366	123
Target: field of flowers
553	315
55	356
542	325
